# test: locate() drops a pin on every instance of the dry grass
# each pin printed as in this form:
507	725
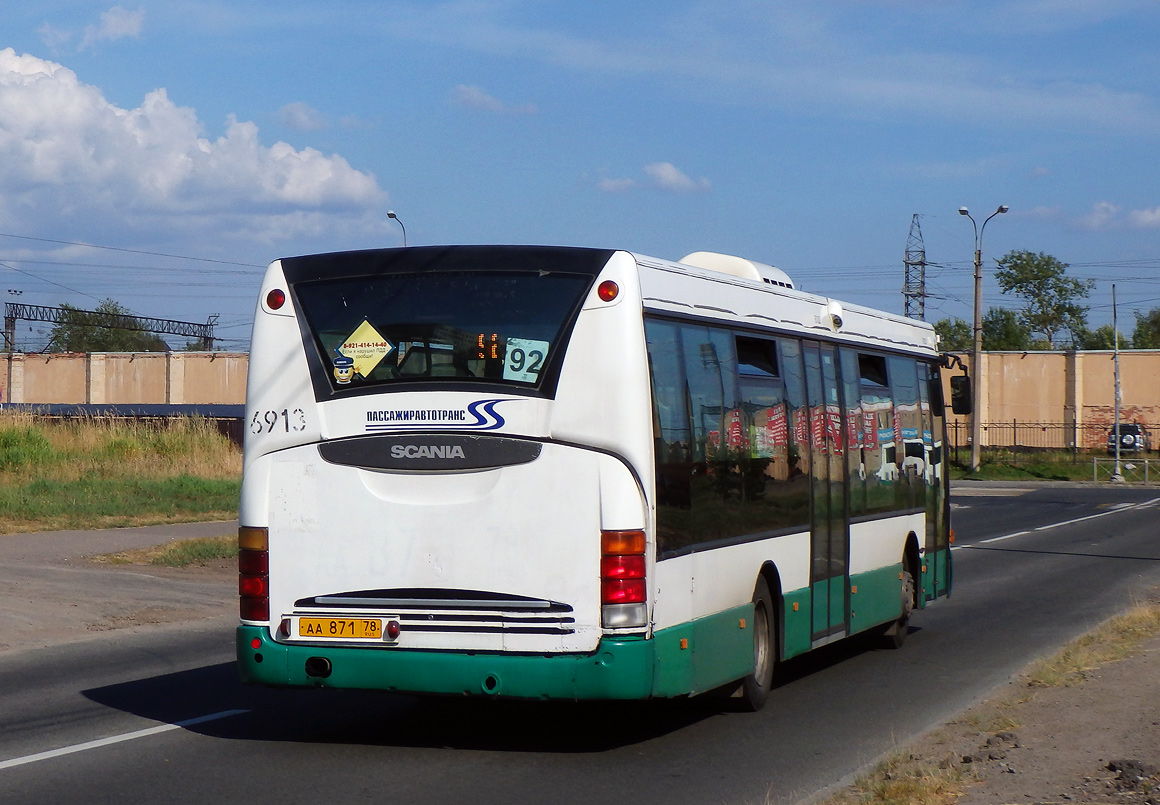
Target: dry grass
908	778
1115	640
71	449
100	473
903	779
179	553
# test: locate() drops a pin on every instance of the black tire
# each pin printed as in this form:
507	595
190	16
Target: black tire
755	687
895	634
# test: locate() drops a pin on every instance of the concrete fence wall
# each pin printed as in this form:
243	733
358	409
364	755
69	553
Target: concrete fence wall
1072	390
174	378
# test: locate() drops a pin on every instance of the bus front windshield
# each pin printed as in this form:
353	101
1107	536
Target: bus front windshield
495	326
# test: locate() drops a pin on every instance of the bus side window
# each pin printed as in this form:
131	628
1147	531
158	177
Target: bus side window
879	466
765	471
909	452
852	411
670	415
795	494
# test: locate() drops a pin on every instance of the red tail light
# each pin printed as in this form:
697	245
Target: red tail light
622	567
254	573
622	591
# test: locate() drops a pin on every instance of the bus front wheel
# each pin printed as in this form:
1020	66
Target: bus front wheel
755	688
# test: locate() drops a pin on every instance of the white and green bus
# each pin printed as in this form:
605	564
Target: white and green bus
568	473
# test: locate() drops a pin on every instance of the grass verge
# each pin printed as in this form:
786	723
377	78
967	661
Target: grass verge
94	473
179	553
1026	468
50	505
907	778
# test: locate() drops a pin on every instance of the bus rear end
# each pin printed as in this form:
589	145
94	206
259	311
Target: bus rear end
442	488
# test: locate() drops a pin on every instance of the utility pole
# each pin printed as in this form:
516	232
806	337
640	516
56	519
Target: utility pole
1117	476
914	281
977	349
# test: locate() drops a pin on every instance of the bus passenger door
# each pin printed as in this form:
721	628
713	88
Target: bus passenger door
829	532
937	574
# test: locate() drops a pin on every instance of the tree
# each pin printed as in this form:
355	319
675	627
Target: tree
1103	337
109	328
954	335
1147	332
1051	299
1004	330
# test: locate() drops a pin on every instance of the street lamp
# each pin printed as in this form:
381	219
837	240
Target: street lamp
393	217
977	347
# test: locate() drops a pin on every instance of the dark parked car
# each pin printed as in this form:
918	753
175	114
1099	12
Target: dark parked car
1132	438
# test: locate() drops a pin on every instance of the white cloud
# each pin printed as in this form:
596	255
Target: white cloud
301	117
472	97
116	23
54	38
1038	172
1106	216
1145	219
616	185
1103	215
665	176
69	157
660	176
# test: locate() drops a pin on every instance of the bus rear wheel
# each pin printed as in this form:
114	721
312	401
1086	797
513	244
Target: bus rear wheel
755	687
895	634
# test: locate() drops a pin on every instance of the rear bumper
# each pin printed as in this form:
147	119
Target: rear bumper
618	669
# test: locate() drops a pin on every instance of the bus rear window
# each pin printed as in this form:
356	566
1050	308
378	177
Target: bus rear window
492	326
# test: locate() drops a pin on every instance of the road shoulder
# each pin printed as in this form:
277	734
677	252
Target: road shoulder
55	593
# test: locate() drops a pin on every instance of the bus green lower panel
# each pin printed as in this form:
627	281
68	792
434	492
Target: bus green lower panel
618	669
875	597
937	575
715	651
797	623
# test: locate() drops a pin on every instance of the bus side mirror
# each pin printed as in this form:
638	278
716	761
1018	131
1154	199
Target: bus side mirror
961	394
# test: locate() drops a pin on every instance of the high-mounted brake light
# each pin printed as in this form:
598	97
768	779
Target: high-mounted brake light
254	573
607	291
623	587
275	299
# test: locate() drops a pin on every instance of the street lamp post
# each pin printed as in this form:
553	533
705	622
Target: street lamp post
977	346
393	217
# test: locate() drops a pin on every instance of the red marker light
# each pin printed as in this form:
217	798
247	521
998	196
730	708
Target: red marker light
622	567
275	299
393	630
607	291
256	643
622	591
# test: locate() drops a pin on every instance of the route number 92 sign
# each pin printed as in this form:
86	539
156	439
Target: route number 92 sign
524	359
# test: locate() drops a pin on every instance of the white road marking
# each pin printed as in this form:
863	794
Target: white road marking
116	739
1005	536
1114	510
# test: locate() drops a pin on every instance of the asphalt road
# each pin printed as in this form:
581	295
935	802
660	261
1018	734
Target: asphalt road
115	719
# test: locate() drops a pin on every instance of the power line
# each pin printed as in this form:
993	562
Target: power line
129	251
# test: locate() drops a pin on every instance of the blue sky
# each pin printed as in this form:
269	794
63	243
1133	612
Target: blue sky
198	140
